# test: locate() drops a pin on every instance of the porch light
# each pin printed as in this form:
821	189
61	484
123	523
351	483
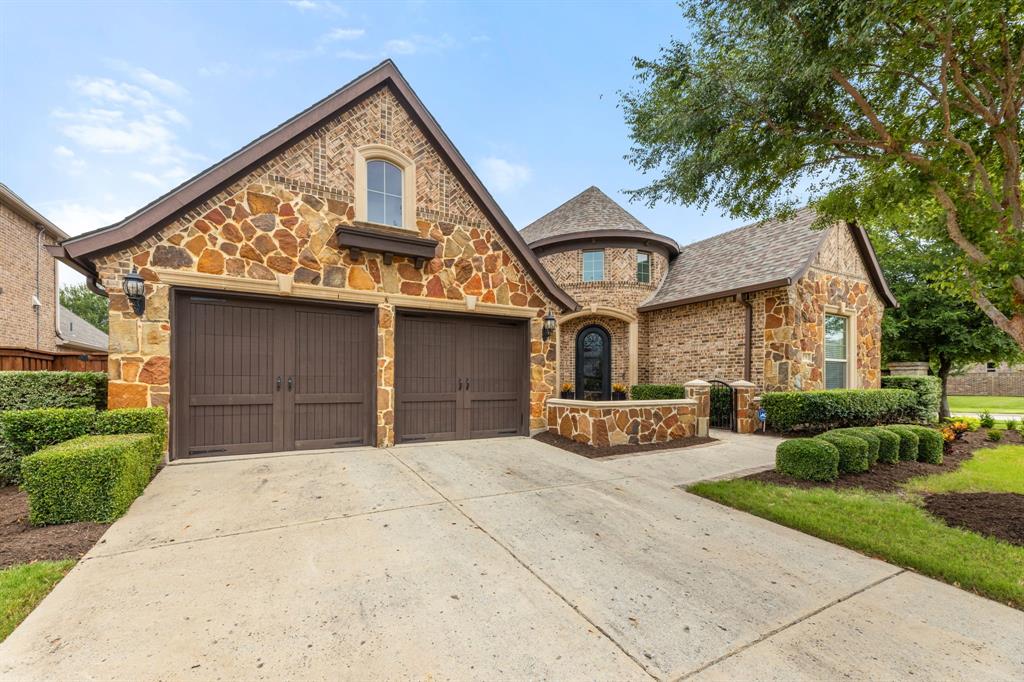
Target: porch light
549	326
135	289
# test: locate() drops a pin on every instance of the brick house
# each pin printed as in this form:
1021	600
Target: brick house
31	317
347	279
774	303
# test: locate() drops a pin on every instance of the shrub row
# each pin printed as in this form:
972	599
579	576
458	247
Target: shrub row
30	390
790	411
855	450
657	392
929	395
26	431
89	478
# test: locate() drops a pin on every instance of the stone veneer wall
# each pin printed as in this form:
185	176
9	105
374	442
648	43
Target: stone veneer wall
279	220
19	244
628	422
617	329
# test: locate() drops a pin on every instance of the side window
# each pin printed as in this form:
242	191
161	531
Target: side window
836	361
593	266
643	267
383	193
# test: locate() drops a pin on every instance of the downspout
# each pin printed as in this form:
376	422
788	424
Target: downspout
38	302
749	341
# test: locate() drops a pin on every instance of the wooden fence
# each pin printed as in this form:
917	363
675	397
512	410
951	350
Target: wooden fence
28	360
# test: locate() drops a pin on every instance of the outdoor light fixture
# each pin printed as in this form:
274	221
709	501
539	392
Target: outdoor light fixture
135	289
549	326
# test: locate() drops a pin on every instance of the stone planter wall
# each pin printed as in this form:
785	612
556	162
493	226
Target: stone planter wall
618	422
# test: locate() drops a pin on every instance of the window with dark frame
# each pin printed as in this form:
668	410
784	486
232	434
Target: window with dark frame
593	266
836	350
643	267
383	193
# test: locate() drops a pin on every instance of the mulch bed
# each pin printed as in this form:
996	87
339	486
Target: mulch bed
1000	515
21	543
592	452
887	478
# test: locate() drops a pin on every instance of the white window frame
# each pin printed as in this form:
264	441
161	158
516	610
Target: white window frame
650	267
583	265
851	344
380	152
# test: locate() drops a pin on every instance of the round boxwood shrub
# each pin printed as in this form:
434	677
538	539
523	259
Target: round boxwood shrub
888	445
809	459
853	452
867	435
909	442
929	447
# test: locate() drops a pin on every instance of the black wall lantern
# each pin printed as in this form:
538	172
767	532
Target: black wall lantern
135	289
549	326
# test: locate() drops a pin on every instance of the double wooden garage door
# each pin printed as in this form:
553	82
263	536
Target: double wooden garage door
254	375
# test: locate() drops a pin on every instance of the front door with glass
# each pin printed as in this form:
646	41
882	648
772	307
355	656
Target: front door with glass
593	364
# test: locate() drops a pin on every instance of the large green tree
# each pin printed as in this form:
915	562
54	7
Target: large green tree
932	324
91	307
863	106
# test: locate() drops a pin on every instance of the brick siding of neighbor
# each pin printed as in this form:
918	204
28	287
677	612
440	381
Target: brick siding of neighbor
19	244
977	380
281	218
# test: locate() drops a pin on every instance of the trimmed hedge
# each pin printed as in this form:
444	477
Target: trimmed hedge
866	434
888	445
853	452
31	390
26	431
90	478
909	442
929	395
133	420
930	444
657	392
810	459
823	410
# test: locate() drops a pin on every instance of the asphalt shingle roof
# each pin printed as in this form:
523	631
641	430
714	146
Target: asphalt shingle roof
79	333
741	259
591	209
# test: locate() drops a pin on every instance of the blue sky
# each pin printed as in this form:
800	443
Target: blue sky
108	105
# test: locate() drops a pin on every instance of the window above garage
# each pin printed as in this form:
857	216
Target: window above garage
385	187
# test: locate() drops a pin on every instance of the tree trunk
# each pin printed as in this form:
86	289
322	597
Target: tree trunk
944	367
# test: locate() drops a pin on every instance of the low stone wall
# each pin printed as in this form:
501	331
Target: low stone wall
617	422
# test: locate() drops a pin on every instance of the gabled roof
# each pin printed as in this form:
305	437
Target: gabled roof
78	251
21	207
77	333
590	210
759	256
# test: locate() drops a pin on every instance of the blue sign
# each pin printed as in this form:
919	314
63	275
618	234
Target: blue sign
762	414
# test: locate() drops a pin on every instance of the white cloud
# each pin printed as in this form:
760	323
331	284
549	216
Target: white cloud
75	217
61	150
354	54
503	175
325	6
336	34
67	160
419	43
400	46
149	79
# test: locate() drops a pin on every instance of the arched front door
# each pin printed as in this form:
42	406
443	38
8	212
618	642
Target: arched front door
593	364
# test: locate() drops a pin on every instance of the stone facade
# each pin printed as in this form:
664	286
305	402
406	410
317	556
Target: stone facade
22	325
277	224
606	423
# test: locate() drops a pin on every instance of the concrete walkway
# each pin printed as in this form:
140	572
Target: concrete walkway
500	559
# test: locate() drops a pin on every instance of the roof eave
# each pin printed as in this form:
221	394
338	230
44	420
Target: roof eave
596	235
751	288
22	208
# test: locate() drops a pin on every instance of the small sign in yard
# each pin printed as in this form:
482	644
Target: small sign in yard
762	414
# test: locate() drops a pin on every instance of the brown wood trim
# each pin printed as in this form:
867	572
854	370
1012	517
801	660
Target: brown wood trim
192	192
369	238
608	239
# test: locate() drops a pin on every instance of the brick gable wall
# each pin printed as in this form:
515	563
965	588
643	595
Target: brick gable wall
22	325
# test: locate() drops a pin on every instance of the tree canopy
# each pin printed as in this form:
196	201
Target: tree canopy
864	107
91	307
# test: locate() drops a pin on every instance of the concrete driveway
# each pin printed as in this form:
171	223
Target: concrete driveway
499	559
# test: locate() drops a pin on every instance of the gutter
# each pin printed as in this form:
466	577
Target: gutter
749	289
748	345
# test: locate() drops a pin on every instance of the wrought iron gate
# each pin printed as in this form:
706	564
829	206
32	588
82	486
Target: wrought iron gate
723	406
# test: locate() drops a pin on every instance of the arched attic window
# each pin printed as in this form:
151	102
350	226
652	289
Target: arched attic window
385	187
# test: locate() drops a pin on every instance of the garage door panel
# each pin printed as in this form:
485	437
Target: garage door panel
426	379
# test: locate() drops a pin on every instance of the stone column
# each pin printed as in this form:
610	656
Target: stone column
746	409
700	390
385	375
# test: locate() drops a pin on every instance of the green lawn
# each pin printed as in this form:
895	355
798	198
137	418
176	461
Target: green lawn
998	470
887	527
995	404
24	586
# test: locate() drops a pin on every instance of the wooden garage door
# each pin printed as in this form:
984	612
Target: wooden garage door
260	376
460	377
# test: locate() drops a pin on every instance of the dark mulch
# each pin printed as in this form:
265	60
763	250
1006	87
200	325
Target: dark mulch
21	543
1000	515
593	452
889	477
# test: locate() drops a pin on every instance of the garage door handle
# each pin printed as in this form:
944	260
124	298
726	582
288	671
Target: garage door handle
460	384
467	384
279	383
291	382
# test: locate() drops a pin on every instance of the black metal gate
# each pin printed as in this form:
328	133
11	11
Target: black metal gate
723	406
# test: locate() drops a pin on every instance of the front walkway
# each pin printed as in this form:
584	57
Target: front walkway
500	559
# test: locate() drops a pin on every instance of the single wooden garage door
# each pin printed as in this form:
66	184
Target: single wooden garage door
460	377
255	375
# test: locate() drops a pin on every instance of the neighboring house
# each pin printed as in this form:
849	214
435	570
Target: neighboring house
989	378
347	279
775	303
30	314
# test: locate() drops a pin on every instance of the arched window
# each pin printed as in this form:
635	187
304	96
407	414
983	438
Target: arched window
383	193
